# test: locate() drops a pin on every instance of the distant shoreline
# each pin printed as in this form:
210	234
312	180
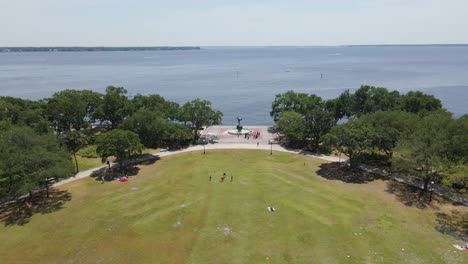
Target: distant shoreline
87	49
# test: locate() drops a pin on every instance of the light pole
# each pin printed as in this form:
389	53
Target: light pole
339	160
431	191
271	148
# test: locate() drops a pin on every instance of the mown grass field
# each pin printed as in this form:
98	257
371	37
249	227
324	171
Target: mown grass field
171	213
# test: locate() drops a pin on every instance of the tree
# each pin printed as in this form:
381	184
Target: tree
369	99
25	113
416	102
199	113
318	121
115	106
291	101
27	160
341	107
317	117
426	153
176	135
291	125
72	110
389	127
119	143
157	104
73	141
352	139
148	125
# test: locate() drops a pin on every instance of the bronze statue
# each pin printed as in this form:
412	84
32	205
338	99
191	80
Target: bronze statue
238	120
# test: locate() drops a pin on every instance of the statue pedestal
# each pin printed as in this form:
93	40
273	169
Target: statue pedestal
239	128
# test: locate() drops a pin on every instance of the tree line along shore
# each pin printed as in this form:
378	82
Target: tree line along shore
80	49
409	133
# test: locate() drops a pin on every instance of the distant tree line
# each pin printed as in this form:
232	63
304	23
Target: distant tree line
410	132
38	138
79	49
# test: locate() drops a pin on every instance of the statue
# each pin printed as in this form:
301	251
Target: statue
238	120
239	127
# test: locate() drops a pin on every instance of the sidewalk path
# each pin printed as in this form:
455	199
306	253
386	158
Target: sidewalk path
208	147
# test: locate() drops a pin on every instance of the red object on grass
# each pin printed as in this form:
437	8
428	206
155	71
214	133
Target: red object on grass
123	180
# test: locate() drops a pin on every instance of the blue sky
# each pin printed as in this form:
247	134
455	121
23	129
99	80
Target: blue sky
231	23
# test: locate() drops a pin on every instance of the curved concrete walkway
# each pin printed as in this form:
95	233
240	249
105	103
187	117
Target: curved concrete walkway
209	147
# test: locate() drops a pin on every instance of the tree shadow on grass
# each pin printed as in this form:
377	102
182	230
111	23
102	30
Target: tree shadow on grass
335	171
415	197
454	224
128	169
20	212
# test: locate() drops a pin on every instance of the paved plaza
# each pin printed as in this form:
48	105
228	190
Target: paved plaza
266	134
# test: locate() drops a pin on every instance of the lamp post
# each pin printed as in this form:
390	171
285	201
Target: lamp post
271	148
431	191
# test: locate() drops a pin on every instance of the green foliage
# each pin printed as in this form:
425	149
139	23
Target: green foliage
157	104
72	109
115	106
24	112
119	143
290	101
291	125
176	136
369	99
149	126
416	102
352	139
88	152
389	127
312	119
427	152
73	141
200	113
28	159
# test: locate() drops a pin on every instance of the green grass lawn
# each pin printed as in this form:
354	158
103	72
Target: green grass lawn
170	213
85	163
88	163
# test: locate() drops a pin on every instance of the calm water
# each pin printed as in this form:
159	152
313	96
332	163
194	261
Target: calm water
243	81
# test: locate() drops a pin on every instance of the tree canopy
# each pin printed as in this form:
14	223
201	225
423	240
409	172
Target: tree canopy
27	160
72	109
200	113
119	143
115	106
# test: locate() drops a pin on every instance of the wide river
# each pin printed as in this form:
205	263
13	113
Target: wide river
243	80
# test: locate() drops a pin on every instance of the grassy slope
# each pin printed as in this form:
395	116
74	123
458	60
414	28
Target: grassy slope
177	216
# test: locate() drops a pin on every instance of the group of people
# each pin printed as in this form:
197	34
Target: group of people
223	177
255	135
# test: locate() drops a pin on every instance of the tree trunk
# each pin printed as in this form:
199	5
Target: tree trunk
195	134
426	183
30	195
47	190
76	163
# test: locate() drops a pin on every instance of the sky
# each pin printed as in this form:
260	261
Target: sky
231	22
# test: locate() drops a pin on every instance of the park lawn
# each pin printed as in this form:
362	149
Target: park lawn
171	213
87	163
